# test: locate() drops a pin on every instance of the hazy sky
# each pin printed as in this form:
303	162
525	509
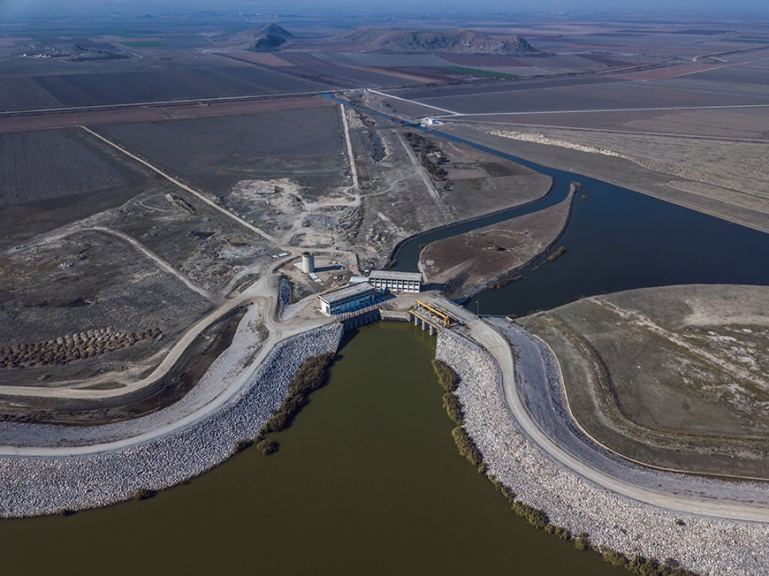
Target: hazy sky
25	9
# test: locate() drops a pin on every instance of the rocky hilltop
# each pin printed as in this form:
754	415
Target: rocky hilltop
453	42
268	38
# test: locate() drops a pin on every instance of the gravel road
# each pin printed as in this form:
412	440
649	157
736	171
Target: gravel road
32	485
703	544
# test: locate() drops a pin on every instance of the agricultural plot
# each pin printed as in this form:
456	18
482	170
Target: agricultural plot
20	93
92	284
49	164
150	86
214	154
54	177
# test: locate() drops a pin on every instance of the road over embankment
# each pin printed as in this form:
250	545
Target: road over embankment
529	384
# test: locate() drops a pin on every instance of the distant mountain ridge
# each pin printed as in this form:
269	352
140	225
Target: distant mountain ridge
268	38
452	42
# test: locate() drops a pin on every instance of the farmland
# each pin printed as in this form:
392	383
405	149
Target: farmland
216	153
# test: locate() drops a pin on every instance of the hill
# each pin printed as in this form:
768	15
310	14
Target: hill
423	41
268	38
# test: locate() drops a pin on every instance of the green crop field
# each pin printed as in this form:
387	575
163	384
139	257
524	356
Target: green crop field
474	72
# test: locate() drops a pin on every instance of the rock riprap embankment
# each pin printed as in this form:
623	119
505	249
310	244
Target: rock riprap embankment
705	545
32	486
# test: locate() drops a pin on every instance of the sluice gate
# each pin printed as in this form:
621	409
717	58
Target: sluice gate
431	317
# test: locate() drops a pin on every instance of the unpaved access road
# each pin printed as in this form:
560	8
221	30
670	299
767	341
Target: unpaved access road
41	440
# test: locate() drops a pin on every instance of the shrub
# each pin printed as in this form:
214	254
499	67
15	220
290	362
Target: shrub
310	376
557	254
452	406
143	493
241	445
533	516
447	378
466	447
614	558
582	542
267	446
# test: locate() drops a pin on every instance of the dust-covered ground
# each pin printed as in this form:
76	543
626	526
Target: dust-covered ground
674	377
88	288
400	197
474	260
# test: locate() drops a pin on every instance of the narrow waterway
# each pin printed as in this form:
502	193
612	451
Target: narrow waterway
367	481
616	240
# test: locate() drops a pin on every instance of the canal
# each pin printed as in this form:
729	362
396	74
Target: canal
616	240
366	481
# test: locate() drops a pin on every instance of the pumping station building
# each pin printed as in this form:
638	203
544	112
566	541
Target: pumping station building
348	299
396	281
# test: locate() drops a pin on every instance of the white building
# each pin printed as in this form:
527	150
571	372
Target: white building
348	299
396	281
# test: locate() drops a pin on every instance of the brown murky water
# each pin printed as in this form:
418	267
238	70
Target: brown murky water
367	481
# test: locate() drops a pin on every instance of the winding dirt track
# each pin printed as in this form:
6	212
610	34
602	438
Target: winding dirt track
206	402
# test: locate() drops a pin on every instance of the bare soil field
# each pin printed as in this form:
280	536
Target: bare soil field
470	262
73	118
108	87
85	282
205	246
20	93
50	164
573	96
673	377
213	154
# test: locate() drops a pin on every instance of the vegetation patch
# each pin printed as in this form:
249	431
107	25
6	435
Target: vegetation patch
475	72
505	282
429	155
267	446
449	380
310	376
557	254
466	446
143	493
452	407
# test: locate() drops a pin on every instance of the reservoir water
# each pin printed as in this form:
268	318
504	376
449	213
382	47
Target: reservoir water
366	481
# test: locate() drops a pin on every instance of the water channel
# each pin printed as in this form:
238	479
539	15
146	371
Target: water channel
616	240
368	480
